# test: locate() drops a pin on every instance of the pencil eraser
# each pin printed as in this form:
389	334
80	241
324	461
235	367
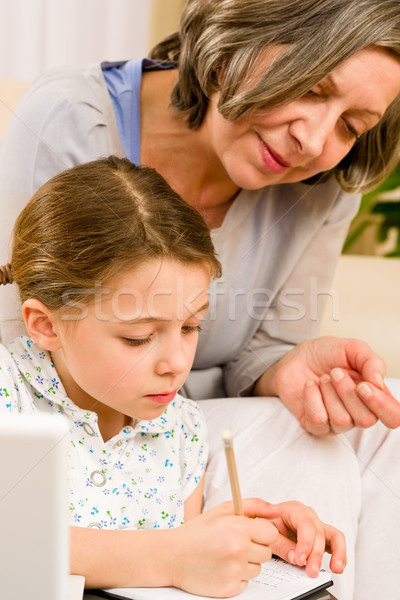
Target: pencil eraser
227	437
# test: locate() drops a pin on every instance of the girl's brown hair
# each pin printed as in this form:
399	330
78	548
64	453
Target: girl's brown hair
221	41
97	220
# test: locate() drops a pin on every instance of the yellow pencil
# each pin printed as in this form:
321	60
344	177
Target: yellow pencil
232	470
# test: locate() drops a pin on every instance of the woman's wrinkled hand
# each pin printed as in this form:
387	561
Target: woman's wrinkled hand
332	385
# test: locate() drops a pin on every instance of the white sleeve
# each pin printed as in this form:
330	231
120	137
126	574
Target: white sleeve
65	118
297	312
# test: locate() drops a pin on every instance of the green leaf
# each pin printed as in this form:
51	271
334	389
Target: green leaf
355	233
392	182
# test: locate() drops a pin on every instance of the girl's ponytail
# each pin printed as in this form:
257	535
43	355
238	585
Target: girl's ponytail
6	274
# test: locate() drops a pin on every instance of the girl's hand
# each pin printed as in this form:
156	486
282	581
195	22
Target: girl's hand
303	539
217	552
332	385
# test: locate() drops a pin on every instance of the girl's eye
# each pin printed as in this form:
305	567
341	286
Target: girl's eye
191	328
137	341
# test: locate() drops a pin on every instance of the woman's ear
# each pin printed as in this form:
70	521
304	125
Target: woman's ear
40	321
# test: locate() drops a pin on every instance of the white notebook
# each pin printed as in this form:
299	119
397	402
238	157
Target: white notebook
278	580
76	585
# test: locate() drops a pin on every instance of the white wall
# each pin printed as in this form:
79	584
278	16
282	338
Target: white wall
36	35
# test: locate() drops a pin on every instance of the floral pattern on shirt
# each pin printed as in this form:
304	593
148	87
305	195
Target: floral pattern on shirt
140	478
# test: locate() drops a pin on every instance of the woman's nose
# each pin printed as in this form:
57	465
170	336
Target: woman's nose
313	131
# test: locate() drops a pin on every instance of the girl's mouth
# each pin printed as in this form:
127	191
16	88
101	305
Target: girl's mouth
162	398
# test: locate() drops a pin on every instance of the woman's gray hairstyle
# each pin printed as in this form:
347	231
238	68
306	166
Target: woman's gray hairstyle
220	41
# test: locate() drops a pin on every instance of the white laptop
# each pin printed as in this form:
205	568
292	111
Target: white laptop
34	539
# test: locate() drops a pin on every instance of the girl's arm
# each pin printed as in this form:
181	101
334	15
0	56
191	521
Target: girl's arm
117	558
213	554
193	503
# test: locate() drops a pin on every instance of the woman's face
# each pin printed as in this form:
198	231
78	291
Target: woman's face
311	134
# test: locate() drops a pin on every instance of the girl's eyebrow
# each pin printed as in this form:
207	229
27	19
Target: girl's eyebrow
142	320
204	307
150	319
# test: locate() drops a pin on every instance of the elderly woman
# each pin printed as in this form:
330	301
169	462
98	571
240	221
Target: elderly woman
269	117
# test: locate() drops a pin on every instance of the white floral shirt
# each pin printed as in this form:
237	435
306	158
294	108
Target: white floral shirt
140	478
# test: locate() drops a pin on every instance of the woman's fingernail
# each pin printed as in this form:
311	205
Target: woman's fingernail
324	378
337	374
339	565
309	382
378	380
364	390
303	559
291	556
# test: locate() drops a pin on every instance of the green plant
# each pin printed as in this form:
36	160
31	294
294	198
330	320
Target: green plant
378	211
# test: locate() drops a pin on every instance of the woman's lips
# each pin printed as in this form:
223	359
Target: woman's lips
162	398
271	160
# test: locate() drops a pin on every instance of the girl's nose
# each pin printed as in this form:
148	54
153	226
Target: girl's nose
172	360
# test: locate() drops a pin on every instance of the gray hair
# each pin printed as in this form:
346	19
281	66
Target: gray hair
220	41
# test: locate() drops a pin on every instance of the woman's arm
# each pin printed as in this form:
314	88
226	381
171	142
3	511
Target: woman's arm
65	118
288	271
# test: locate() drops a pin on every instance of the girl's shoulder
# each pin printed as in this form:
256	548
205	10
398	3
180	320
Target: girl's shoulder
25	372
10	380
7	364
182	416
186	409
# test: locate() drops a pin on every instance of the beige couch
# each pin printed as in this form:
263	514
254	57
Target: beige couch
366	300
10	92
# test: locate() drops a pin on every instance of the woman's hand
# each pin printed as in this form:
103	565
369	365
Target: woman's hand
216	553
332	385
303	539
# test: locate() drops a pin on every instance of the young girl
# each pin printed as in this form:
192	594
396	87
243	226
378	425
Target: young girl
113	270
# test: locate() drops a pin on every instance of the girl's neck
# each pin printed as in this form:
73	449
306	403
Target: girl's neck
110	421
180	154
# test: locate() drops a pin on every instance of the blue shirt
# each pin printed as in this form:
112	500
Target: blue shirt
123	82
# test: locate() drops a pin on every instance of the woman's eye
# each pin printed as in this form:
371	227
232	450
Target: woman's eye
352	131
191	328
137	341
313	93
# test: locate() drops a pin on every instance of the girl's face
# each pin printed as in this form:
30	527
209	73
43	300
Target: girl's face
134	348
311	134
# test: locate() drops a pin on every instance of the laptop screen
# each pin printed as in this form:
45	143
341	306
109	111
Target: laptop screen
34	541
